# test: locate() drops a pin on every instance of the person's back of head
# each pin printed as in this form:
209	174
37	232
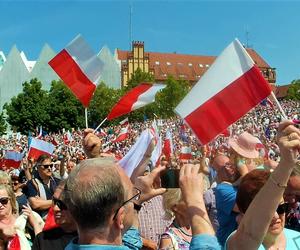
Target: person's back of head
94	191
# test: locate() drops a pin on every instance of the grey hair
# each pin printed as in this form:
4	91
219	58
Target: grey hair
93	192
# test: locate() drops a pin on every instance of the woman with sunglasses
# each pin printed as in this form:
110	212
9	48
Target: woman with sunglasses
260	200
12	225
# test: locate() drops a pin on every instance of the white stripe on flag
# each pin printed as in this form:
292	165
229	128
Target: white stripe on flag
86	59
232	63
148	96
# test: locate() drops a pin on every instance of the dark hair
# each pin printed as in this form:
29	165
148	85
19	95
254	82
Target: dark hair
93	192
249	187
42	158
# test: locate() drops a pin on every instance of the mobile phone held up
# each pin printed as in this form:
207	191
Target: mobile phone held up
170	178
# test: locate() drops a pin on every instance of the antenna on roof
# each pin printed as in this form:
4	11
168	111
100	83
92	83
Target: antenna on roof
247	37
130	25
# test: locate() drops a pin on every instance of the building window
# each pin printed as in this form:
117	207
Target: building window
157	63
200	65
168	63
190	64
207	65
182	76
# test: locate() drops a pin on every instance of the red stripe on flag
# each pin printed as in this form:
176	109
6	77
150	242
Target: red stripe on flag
72	75
227	106
11	163
124	105
36	153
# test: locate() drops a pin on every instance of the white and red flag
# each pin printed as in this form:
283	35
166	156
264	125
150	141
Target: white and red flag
135	98
185	153
79	67
229	89
40	133
122	135
124	122
38	147
131	161
168	145
12	159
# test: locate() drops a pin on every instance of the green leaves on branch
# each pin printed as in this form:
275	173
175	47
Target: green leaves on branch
294	91
3	125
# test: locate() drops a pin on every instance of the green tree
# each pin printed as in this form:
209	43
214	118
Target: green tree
29	109
170	96
103	101
63	108
294	90
3	125
138	77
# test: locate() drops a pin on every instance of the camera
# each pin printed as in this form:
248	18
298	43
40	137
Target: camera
170	178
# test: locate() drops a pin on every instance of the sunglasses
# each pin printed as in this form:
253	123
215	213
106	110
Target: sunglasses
59	203
46	166
282	208
135	197
4	200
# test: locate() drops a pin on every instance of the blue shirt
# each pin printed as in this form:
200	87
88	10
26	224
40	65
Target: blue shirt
225	201
292	240
204	242
131	240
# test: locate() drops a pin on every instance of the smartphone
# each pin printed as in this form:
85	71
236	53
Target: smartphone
170	178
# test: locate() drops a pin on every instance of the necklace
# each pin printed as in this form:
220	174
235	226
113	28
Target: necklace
181	229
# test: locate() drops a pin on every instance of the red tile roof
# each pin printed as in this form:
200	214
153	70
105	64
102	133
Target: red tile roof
188	67
281	91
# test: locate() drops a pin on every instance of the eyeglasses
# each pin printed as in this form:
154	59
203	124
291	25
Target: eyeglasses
135	197
46	166
61	205
282	208
4	200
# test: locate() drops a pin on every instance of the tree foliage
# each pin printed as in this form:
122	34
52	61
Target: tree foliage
64	110
29	109
294	90
3	125
58	108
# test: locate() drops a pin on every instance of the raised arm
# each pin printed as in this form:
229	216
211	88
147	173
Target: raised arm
259	214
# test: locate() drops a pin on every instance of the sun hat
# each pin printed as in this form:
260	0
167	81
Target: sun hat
245	145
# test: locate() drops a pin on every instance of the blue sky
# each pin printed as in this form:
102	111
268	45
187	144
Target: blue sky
189	27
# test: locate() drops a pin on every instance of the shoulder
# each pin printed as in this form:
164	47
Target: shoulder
289	233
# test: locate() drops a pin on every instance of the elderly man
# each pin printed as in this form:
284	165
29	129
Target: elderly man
106	207
225	194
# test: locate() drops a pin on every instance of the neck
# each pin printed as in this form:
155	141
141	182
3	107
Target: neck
45	179
273	240
99	237
7	218
69	228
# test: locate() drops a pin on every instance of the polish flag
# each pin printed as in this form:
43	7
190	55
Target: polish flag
135	98
79	67
39	147
122	135
229	89
124	122
186	153
168	145
130	162
12	159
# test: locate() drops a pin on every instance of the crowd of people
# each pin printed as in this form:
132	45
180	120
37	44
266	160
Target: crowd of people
241	191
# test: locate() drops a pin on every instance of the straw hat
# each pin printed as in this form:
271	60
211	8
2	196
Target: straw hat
244	145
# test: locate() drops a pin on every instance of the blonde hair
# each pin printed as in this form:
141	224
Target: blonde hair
11	196
5	178
171	198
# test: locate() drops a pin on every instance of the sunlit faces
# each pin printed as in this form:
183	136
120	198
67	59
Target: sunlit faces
61	214
45	168
278	220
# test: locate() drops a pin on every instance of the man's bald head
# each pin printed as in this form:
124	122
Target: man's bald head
94	191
